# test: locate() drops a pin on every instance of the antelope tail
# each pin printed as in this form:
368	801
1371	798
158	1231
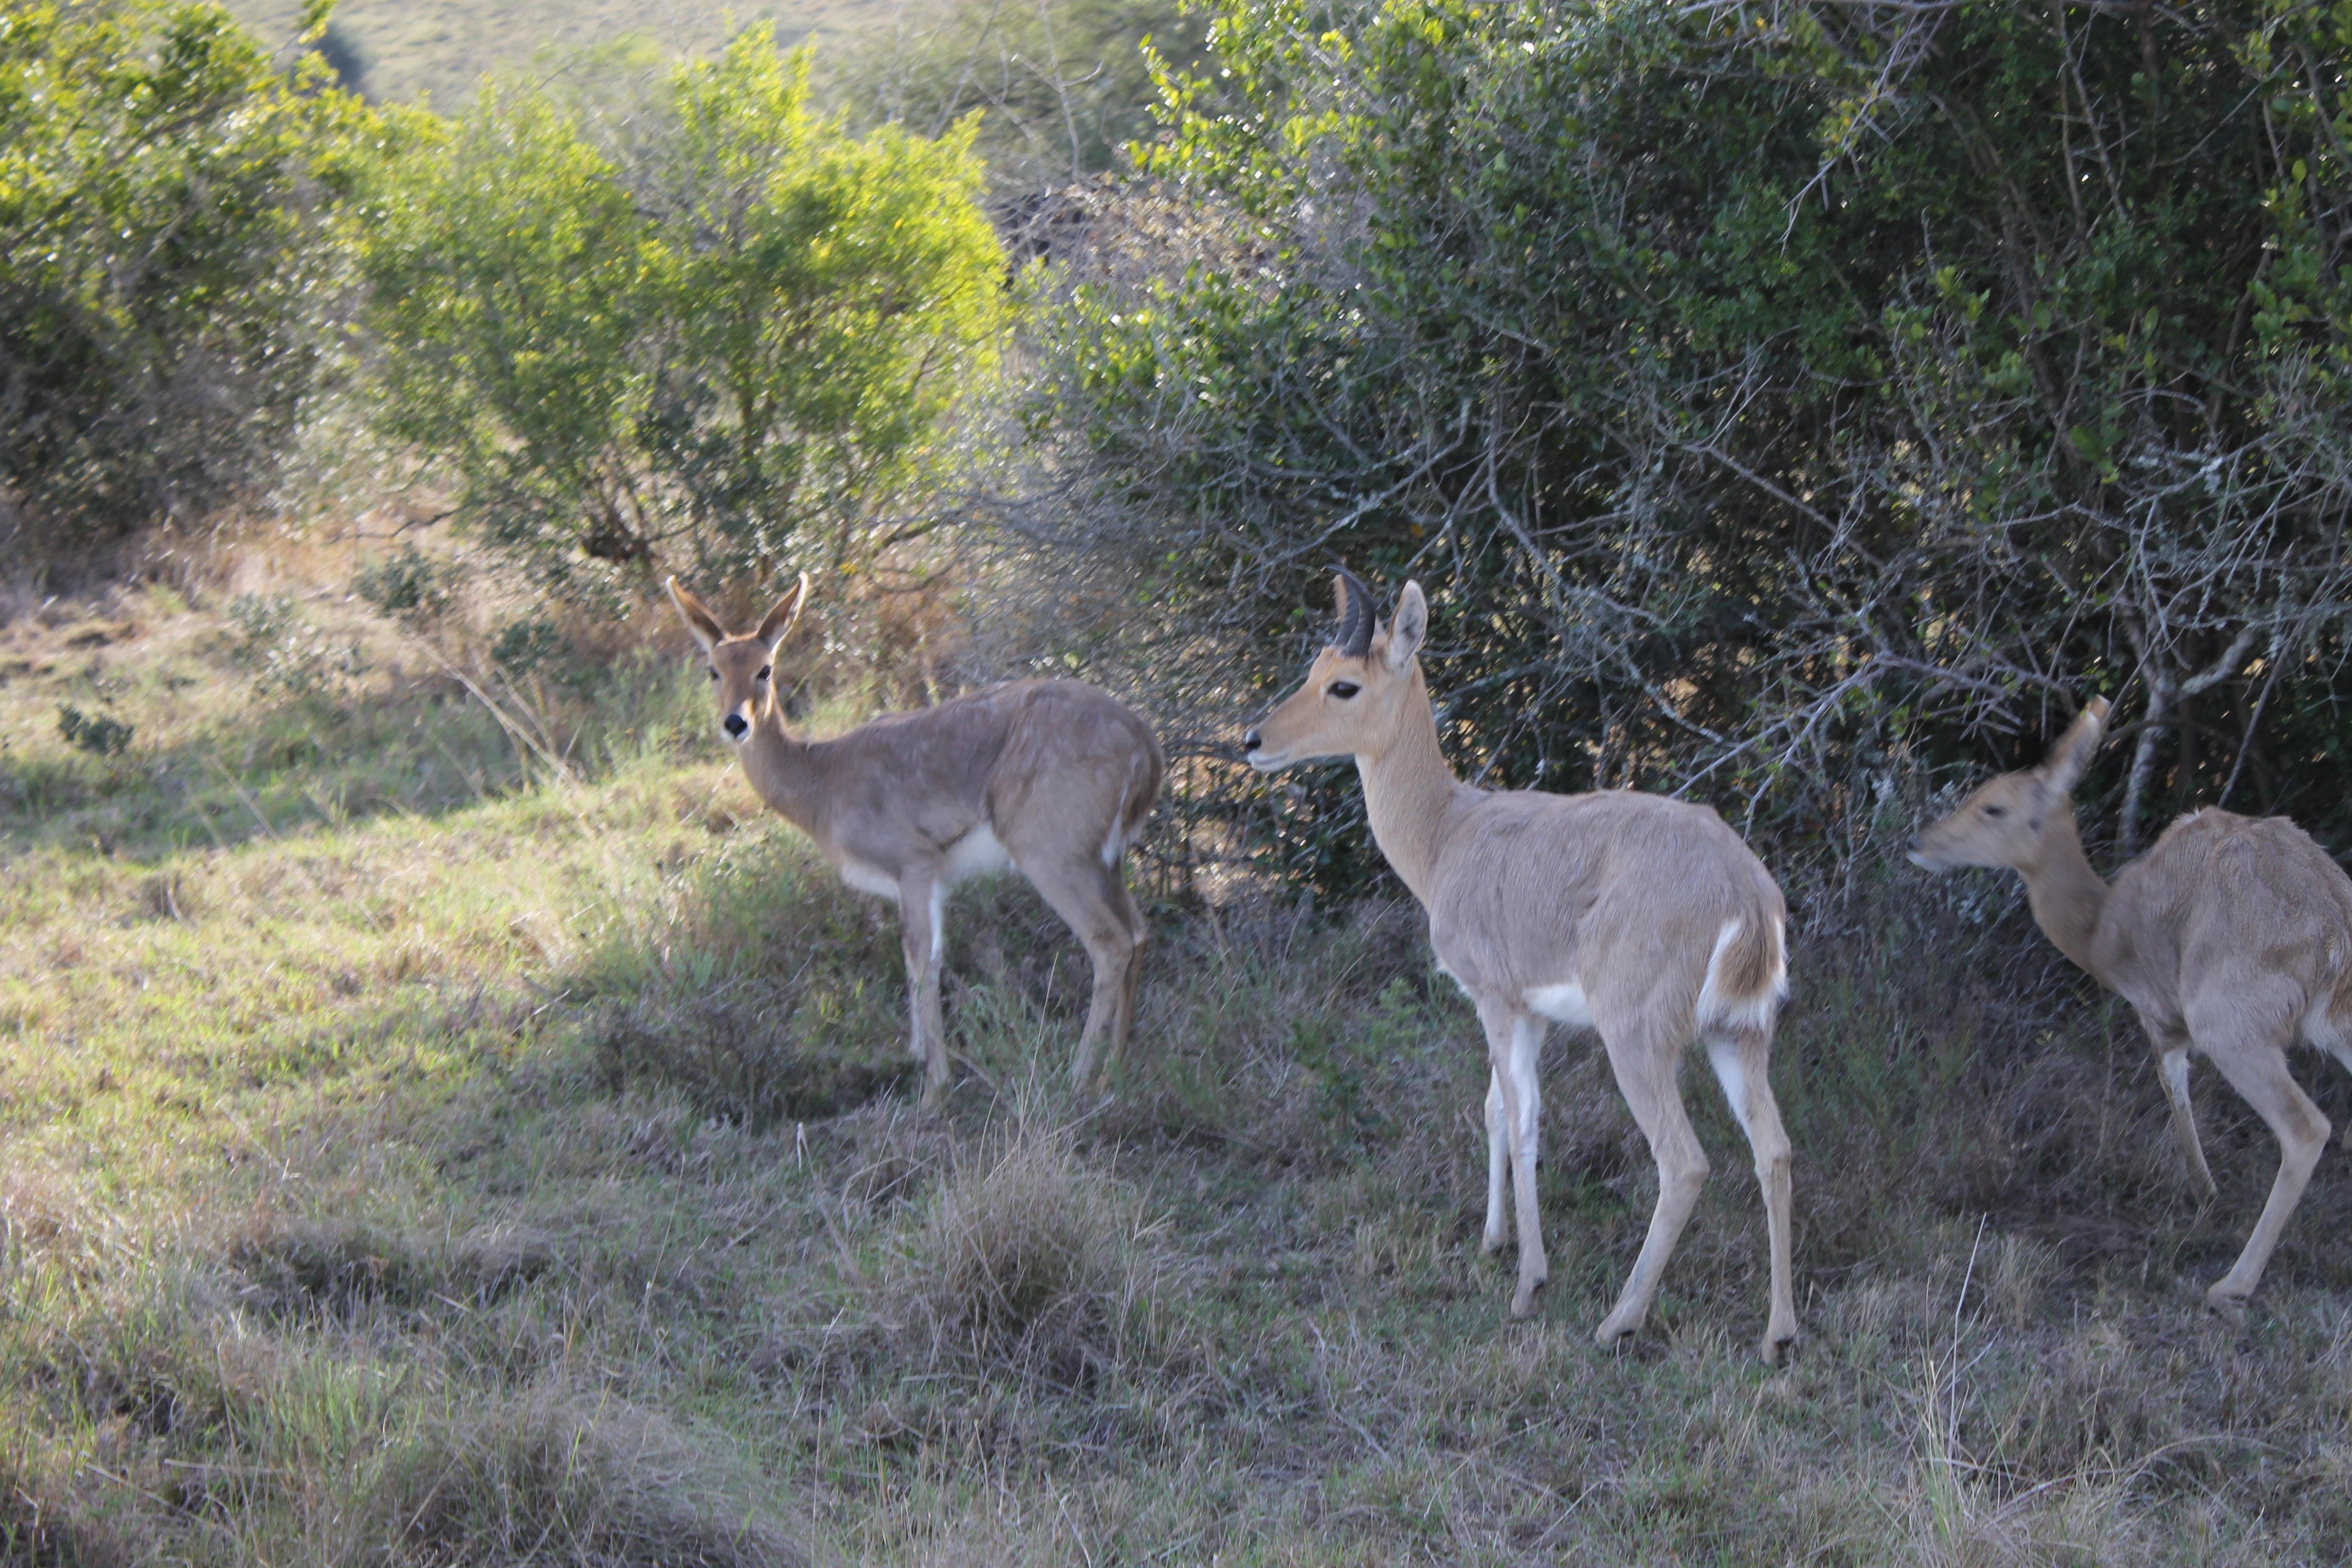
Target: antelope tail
1747	976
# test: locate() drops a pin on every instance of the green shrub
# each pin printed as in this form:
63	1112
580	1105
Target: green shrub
169	206
287	654
411	586
730	336
1778	400
102	735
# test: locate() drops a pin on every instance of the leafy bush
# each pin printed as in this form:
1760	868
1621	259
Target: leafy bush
285	654
102	735
1778	400
411	586
168	206
720	341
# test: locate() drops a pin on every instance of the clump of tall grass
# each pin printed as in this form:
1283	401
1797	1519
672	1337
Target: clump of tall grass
563	1475
45	1521
1029	1259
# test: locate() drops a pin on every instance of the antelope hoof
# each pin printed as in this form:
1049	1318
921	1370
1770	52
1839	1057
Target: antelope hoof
2225	1301
1618	1325
1523	1301
1492	1242
1775	1343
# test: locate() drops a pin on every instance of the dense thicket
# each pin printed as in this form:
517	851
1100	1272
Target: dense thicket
172	280
1780	400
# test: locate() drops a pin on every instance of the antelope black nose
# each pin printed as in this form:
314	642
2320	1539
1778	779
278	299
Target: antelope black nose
1915	844
737	724
1250	742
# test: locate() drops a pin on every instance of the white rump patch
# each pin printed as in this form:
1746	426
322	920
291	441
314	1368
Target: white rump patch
1717	1010
1560	1004
869	879
976	852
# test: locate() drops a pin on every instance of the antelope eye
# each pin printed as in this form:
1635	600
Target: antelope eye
1996	811
764	672
714	675
1343	689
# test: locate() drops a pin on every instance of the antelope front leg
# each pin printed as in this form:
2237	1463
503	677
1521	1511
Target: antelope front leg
1499	1161
922	903
2172	1065
1513	1042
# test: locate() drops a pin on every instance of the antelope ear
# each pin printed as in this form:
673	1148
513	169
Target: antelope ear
697	616
2062	768
779	624
1407	627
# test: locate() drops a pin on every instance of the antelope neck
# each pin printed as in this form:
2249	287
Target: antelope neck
2065	893
1407	789
778	765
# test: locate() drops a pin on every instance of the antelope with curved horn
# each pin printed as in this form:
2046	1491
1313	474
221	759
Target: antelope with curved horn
2232	935
1052	778
1643	918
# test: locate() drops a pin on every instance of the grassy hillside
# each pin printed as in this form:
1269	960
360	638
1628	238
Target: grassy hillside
440	47
410	1151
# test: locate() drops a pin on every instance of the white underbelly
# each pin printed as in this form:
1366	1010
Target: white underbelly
975	853
1562	1004
868	878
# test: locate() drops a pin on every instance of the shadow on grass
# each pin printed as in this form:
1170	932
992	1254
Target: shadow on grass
763	991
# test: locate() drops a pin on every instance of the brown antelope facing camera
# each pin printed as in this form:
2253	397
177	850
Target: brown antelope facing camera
1643	918
1052	778
2233	935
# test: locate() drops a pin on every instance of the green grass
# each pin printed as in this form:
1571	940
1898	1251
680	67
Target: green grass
411	1157
441	48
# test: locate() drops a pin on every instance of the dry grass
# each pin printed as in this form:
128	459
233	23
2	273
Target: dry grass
429	1181
1029	1259
565	1474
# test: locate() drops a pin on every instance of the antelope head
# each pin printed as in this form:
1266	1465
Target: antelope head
2003	823
742	668
1355	698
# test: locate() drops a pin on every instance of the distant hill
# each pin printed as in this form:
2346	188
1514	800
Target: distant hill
410	48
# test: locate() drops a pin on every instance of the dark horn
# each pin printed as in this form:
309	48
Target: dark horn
1355	635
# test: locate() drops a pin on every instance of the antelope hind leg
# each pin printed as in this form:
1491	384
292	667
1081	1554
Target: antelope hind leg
1644	1062
2255	1064
1083	895
1743	1065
